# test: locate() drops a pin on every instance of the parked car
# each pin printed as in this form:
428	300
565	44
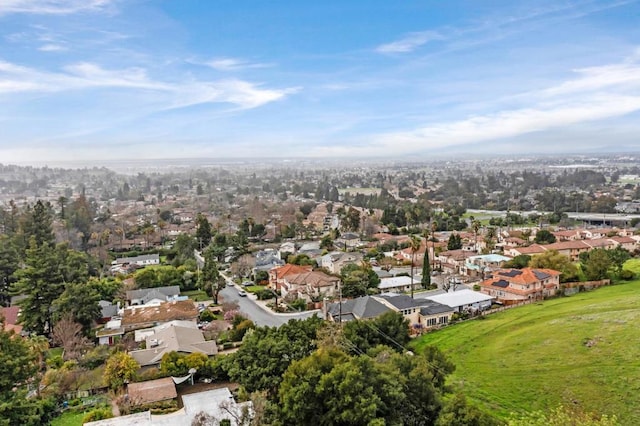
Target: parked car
246	283
242	293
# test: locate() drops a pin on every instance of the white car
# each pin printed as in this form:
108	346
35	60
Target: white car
242	293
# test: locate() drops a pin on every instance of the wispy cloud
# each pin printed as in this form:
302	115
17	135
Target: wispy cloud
85	76
53	7
498	27
50	47
410	42
596	93
233	64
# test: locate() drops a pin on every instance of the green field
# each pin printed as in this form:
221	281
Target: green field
582	350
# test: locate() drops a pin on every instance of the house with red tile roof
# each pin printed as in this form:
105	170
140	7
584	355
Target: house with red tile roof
277	274
309	286
511	286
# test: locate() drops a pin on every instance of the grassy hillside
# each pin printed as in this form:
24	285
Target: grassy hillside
584	349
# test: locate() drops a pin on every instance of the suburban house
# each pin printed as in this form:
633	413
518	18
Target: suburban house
481	265
143	260
111	333
421	313
313	285
335	261
136	317
276	275
510	286
348	240
625	242
464	300
107	311
531	250
216	403
398	284
452	261
151	391
175	336
365	307
287	247
267	259
146	296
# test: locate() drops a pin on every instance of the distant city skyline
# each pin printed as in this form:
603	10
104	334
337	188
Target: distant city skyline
96	80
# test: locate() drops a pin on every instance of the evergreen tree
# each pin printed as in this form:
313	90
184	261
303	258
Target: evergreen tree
426	270
203	231
212	282
38	224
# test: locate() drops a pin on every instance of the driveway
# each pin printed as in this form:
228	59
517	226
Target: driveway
256	312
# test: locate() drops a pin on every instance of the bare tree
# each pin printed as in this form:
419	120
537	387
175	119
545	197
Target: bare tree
68	334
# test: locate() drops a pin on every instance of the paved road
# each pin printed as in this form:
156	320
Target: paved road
256	313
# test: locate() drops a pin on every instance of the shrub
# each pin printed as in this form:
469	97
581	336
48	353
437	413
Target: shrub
241	329
97	414
627	275
207	315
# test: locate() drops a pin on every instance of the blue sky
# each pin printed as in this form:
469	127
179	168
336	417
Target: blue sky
94	80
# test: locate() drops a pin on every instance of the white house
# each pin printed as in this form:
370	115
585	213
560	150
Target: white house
399	284
464	299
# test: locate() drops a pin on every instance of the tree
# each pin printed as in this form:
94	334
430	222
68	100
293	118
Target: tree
299	402
68	334
18	366
203	231
43	279
38	224
518	262
266	353
457	412
544	236
552	259
454	242
597	264
119	369
618	256
425	280
414	243
81	302
390	329
9	263
357	280
212	282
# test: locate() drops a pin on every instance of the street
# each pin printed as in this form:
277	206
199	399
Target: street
256	313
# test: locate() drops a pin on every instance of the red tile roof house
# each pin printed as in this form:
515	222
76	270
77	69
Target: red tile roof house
511	286
571	249
309	286
277	274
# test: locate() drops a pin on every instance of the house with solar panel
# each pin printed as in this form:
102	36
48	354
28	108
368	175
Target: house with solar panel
510	286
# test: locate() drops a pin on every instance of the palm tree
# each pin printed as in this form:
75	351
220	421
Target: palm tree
434	227
476	227
414	243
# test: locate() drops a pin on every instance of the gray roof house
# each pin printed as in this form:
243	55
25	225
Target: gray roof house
144	295
173	338
360	308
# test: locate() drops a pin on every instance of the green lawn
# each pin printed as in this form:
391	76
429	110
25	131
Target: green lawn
254	288
68	418
581	349
197	295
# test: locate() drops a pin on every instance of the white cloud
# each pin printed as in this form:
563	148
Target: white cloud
233	64
53	7
597	93
410	42
50	47
84	76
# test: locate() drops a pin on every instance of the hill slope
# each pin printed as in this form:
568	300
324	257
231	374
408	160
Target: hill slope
583	349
